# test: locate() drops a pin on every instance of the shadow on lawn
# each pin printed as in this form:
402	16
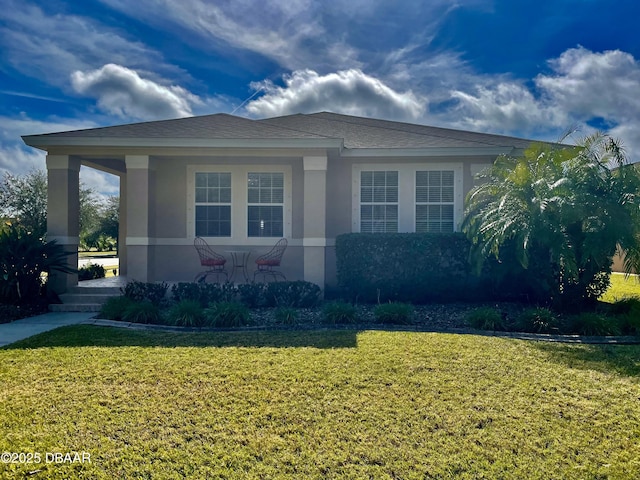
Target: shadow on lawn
620	359
93	336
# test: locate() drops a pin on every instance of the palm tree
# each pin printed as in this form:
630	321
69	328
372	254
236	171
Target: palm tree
560	213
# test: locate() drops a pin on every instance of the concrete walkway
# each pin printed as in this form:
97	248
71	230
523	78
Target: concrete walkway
27	327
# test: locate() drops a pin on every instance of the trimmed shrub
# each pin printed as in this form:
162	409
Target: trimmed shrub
394	313
142	312
538	320
91	272
204	293
339	313
227	314
186	313
628	312
285	315
115	307
486	318
589	323
299	294
141	291
423	268
254	295
403	267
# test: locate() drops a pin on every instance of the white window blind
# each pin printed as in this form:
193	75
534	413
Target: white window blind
378	201
435	201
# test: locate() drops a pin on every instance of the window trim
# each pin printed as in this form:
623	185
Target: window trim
215	204
239	201
407	191
386	203
263	204
440	204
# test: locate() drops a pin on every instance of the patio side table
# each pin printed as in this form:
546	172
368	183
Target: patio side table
239	259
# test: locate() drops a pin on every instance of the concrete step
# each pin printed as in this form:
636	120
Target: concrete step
75	307
84	299
113	291
99	298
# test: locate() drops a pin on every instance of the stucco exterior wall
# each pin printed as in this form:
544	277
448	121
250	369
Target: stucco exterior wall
171	251
170	254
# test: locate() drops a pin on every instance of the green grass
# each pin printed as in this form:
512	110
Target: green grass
622	287
94	254
319	404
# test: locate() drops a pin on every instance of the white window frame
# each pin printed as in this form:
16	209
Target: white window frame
239	204
264	204
386	203
440	203
215	204
407	191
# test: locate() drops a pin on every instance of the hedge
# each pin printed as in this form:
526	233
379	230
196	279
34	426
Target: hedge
420	268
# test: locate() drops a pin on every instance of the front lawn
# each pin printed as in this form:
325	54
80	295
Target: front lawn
622	286
318	404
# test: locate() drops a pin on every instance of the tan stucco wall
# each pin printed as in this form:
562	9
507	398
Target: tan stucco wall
173	256
181	264
171	251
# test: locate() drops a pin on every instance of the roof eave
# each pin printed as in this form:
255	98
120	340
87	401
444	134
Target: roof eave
44	142
428	152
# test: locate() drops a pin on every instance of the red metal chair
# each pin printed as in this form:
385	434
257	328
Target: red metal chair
268	262
209	259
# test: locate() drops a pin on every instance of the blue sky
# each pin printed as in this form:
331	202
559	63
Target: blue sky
524	68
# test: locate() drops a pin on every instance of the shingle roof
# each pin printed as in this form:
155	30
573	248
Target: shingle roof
217	126
360	132
355	132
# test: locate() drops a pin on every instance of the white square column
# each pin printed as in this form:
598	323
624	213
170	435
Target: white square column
314	239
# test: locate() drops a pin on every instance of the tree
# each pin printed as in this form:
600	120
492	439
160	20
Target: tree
560	213
24	198
109	218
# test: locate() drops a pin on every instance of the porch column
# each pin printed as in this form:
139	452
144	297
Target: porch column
139	218
63	215
122	226
315	204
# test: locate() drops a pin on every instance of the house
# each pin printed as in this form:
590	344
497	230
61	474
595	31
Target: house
243	184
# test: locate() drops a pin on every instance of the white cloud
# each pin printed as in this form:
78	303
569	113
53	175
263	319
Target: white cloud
504	107
18	160
350	91
290	33
121	91
586	84
51	46
12	128
15	156
103	184
582	88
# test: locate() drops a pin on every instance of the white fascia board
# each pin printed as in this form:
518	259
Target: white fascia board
427	152
42	142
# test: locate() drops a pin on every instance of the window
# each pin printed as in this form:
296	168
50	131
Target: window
434	201
265	200
420	196
378	201
213	204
